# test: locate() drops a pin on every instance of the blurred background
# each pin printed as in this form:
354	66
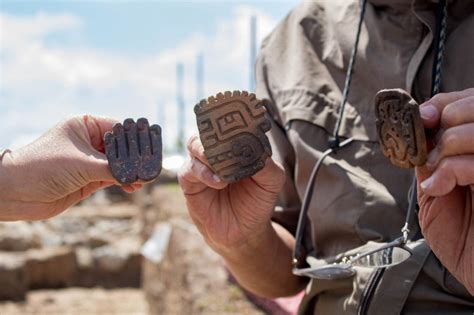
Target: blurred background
124	59
118	253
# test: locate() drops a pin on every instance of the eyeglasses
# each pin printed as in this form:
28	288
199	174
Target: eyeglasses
383	255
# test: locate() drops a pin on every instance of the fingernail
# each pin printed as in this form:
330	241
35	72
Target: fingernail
216	178
428	112
427	183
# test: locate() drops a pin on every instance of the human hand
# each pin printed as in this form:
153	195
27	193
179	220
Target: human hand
446	183
229	216
64	166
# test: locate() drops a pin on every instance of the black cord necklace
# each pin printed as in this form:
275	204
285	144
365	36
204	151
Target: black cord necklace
335	144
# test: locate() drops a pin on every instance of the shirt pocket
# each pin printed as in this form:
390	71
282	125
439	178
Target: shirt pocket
322	110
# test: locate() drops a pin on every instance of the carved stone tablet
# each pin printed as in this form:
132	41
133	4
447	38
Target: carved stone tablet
232	129
134	151
400	128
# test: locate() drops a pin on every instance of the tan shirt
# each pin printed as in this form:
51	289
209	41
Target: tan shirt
359	196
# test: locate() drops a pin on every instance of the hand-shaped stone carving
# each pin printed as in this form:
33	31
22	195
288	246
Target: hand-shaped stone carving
134	151
232	129
400	128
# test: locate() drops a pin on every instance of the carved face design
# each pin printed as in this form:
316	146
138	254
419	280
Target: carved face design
400	129
232	128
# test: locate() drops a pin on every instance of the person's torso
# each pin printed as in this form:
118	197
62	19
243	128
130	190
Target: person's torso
359	195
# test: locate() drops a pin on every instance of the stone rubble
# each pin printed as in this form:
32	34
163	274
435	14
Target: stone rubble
89	245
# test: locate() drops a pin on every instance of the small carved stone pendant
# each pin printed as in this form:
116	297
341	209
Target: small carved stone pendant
232	129
134	151
400	128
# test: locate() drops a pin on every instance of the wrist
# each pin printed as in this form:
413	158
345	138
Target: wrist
264	267
264	242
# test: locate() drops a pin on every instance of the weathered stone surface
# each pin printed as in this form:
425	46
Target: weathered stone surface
232	129
84	258
400	128
51	267
108	259
13	282
17	236
65	253
46	234
115	265
80	301
134	151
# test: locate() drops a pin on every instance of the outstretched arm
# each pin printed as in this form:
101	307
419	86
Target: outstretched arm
62	167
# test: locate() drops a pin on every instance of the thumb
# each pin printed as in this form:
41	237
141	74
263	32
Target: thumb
422	173
96	127
97	166
272	177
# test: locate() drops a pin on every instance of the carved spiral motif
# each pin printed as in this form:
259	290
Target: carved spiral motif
400	128
232	128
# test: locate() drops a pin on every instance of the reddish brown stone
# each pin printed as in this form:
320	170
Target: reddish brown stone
134	151
232	129
51	267
14	283
400	128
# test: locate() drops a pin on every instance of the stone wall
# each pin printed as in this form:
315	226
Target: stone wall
89	245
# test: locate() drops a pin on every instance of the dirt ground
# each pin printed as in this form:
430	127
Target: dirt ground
79	301
190	280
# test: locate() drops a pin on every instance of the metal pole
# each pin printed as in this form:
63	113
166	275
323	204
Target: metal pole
181	118
200	77
161	114
253	51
